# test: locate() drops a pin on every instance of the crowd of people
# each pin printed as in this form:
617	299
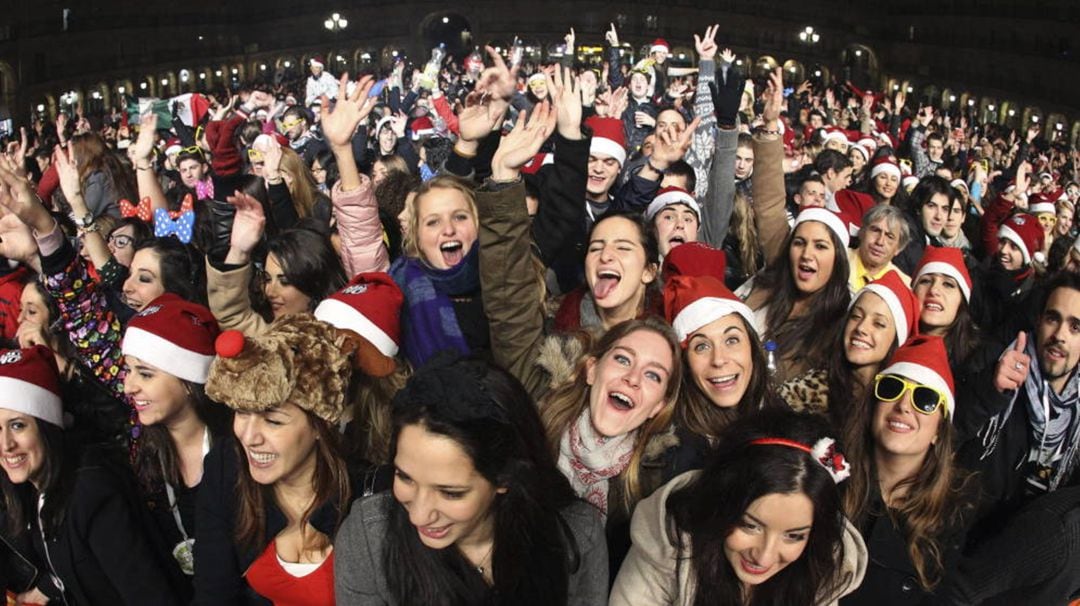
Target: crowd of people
494	333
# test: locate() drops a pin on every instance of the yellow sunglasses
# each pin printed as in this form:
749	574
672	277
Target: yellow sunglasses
925	399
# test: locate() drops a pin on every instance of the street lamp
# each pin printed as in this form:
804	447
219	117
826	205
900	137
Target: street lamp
809	36
336	23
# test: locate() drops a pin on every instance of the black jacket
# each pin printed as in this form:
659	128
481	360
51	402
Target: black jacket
106	550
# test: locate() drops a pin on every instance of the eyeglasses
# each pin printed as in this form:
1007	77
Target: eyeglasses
890	388
121	241
291	123
194	149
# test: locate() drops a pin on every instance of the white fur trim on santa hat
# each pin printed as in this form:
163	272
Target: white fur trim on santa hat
829	218
859	147
343	315
910	181
885	167
656	48
959	184
34	400
869	143
900	318
166	355
669	198
1042	208
175	148
1007	232
316	62
925	376
835	134
608	147
945	269
708	309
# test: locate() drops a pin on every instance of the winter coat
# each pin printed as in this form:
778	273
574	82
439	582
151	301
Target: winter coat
657	572
360	568
357	215
230	300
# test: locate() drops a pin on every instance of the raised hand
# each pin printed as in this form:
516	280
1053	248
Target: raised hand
565	91
672	144
69	177
16	240
497	80
571	40
339	124
523	142
612	36
774	99
1023	178
21	200
830	98
144	143
1012	368
247	227
482	112
620	100
272	160
706	45
397	124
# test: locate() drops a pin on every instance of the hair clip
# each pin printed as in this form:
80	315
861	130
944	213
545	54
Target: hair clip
824	452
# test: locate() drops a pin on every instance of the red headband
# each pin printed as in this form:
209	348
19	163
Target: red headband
824	452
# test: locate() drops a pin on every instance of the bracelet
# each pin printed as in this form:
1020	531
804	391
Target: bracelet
137	167
465	155
648	162
89	229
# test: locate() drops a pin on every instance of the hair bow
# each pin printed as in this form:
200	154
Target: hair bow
181	227
142	211
188	205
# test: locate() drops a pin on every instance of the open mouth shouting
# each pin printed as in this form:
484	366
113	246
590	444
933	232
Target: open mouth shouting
620	401
452	252
804	271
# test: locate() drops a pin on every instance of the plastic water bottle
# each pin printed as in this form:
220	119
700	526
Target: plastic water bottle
430	76
517	54
770	358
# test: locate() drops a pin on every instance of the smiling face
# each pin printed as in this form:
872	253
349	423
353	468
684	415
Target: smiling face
858	161
812	256
446	227
158	397
628	383
886	185
900	431
869	332
934	213
435	480
616	267
670	120
284	298
144	282
1009	255
772	534
387	140
32	307
603	170
1058	336
280	444
879	243
22	447
720	358
1064	221
939	299
675	225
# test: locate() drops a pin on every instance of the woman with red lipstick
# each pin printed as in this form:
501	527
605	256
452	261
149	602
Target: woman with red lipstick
479	512
760	524
908	497
73	526
273	497
943	287
803	294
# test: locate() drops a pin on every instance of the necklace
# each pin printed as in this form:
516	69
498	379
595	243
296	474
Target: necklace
480	568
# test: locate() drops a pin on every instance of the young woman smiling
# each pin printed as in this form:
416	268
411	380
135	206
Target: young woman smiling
273	497
479	512
760	524
73	515
907	496
803	295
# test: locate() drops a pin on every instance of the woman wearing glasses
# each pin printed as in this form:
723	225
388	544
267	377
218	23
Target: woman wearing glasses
908	498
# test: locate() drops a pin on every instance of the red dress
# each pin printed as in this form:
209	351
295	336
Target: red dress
270	580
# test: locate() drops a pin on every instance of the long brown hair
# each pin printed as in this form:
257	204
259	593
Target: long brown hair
561	407
925	505
331	482
92	155
303	189
370	401
744	228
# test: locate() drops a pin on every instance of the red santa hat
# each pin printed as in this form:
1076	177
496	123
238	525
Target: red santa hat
887	166
830	133
174	335
863	151
317	61
668	196
694	259
608	138
537	162
660	45
1041	204
832	220
909	182
959	184
924	360
173	146
370	307
30	383
422	127
868	143
902	303
947	261
1025	232
691	302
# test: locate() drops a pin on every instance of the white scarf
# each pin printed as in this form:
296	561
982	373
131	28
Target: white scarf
589	459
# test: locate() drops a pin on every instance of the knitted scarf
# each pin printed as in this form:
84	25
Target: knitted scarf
1053	421
590	459
429	324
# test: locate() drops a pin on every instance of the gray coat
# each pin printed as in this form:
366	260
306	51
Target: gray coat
360	576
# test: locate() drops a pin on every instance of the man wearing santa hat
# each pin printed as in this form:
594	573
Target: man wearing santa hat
320	82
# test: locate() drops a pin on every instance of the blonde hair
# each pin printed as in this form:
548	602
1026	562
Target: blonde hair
303	189
410	244
561	407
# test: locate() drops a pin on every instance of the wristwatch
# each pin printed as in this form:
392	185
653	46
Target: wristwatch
84	221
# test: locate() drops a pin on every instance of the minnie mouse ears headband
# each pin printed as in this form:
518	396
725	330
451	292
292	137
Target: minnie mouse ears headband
824	452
